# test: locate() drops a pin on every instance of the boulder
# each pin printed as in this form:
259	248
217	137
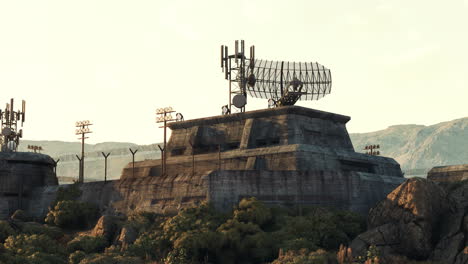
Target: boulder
410	222
106	226
128	235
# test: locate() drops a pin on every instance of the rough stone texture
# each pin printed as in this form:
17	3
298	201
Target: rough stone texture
421	220
448	173
127	236
20	174
106	226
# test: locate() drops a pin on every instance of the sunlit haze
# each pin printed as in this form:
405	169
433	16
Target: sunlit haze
116	62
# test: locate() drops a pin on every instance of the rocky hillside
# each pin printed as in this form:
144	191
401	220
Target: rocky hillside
421	220
419	148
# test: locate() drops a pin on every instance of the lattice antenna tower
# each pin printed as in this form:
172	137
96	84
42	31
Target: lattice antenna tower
283	83
10	134
236	68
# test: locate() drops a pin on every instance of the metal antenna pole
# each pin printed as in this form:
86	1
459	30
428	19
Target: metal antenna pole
165	116
105	165
133	161
82	130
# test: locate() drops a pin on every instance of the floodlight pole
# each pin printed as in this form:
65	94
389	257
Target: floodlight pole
105	165
82	130
133	161
79	166
164	117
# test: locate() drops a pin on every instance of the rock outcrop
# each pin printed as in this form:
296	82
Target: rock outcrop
420	219
107	227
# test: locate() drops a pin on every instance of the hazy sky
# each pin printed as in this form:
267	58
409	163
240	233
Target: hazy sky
115	62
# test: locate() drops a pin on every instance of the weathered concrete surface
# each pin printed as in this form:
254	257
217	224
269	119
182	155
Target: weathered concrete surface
355	191
20	174
287	155
448	173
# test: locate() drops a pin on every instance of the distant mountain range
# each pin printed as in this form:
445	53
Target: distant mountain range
417	148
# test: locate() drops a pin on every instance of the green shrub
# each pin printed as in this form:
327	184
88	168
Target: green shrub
72	214
33	249
30	228
252	210
67	193
305	257
87	244
150	245
110	259
76	257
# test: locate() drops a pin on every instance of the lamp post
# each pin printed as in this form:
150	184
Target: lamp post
371	150
82	130
164	117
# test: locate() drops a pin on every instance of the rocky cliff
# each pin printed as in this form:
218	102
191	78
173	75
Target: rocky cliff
420	219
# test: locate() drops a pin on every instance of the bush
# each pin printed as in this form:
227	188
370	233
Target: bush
72	214
76	257
253	211
110	259
87	244
67	193
305	257
31	228
33	249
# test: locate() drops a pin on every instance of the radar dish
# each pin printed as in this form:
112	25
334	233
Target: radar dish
275	78
239	101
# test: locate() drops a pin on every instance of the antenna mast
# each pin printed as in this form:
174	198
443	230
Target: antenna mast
235	68
9	138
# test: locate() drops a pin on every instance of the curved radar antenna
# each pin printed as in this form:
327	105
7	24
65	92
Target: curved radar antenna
288	82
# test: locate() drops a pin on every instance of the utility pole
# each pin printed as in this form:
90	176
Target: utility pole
82	130
105	165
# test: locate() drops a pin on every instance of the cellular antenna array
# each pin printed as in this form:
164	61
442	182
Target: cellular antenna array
283	83
10	135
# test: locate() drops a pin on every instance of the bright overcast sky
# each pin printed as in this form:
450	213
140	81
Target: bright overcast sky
114	62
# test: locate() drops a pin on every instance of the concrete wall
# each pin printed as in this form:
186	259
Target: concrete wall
448	173
350	191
